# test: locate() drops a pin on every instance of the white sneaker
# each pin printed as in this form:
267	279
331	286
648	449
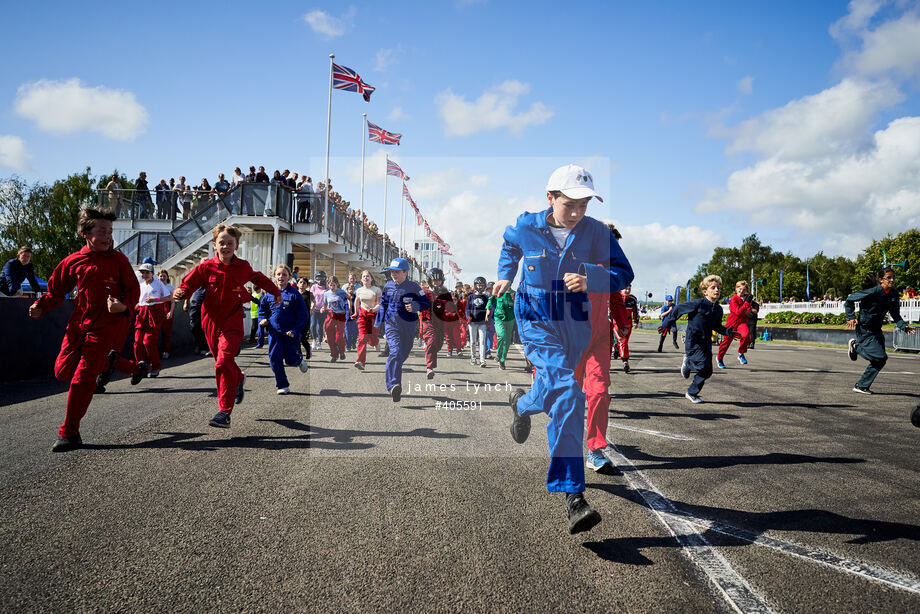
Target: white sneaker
304	366
693	398
284	390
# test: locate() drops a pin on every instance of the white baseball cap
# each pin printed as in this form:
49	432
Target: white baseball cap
573	181
146	267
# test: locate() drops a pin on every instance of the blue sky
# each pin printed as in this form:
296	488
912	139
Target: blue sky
703	123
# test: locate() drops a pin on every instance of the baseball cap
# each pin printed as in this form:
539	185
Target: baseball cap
149	260
146	267
573	181
668	297
398	264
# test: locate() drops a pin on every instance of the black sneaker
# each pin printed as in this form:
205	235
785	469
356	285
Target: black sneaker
915	416
106	376
501	365
430	374
240	393
851	349
520	425
342	356
625	366
66	444
221	420
582	517
140	374
334	358
676	347
396	393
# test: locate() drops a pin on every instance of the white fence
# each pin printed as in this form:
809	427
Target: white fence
910	309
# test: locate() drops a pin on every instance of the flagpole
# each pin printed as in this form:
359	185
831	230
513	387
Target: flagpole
328	132
361	213
402	221
386	174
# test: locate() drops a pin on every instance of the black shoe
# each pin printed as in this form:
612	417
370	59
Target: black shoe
396	393
520	425
625	366
501	365
851	349
308	352
240	393
66	444
915	416
342	356
334	358
221	420
676	347
430	374
582	517
106	376
99	389
140	374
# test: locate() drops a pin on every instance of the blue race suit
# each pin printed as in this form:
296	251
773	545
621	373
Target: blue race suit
554	325
704	316
290	315
401	325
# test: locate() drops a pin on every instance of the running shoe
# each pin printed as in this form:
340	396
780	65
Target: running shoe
501	365
140	374
240	391
596	461
66	444
742	359
915	416
582	517
429	373
304	367
625	366
103	378
473	361
862	390
334	358
342	356
720	364
450	353
482	364
396	393
359	366
520	425
676	347
685	368
851	349
284	391
221	420
693	398
153	373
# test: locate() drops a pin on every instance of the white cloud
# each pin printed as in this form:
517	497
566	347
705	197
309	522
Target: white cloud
859	15
375	166
836	119
66	107
387	57
868	193
746	85
493	110
893	46
478	180
397	114
657	265
327	25
13	153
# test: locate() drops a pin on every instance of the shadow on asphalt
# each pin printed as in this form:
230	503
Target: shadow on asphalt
633	453
646	415
745	527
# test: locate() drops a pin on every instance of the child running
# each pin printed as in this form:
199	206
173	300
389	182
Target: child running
876	299
225	276
452	325
704	316
624	308
556	248
105	293
284	322
367	303
666	310
168	319
400	303
502	309
149	319
335	306
434	318
476	311
740	307
317	321
303	286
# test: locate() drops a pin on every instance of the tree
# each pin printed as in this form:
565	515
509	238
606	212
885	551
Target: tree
44	217
903	247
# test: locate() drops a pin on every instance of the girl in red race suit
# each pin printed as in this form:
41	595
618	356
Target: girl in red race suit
740	307
106	292
225	277
624	309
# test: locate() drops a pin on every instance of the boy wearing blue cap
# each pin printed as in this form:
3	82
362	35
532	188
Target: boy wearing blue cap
564	254
400	304
666	310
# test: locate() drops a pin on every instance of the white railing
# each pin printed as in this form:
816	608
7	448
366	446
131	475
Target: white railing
910	309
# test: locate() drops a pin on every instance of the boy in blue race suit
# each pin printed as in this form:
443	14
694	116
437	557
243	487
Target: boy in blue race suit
285	323
400	305
564	255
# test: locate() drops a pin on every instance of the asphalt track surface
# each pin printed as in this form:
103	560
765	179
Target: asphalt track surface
784	491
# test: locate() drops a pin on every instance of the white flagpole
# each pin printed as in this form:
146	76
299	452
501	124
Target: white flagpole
328	131
386	174
361	212
402	219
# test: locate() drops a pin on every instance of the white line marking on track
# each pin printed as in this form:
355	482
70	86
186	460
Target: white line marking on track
736	590
651	432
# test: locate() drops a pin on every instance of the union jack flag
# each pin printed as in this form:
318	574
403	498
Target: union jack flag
453	265
406	192
419	220
376	134
393	169
344	78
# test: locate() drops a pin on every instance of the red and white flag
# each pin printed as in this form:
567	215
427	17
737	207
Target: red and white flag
376	134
